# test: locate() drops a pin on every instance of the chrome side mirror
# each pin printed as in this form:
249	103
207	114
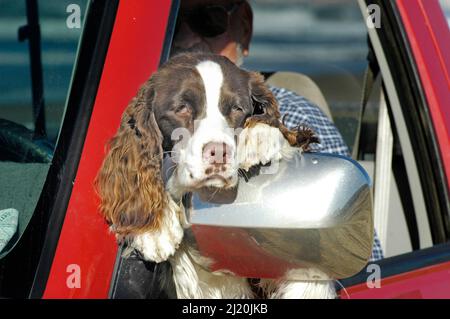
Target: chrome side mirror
311	217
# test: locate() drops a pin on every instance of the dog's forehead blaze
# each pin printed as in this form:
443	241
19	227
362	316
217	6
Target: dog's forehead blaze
226	82
212	78
212	84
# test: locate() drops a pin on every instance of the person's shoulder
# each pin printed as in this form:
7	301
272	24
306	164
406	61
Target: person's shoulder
286	94
290	101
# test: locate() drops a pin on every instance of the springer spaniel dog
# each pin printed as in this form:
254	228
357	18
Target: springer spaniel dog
206	99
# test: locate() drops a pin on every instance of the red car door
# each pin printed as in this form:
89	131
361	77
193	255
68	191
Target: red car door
123	43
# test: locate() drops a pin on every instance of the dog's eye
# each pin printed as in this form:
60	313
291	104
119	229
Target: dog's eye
183	110
237	108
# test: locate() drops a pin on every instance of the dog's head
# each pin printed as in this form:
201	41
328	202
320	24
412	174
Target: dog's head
190	109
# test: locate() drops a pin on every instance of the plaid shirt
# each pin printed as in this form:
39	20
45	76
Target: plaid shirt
298	110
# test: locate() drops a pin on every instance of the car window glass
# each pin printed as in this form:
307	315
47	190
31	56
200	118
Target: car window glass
324	40
38	46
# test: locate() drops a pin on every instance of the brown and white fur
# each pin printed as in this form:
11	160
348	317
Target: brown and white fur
206	97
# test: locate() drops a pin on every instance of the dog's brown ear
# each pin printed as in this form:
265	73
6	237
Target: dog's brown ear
264	102
129	183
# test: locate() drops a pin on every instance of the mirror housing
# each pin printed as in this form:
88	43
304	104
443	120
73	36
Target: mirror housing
310	216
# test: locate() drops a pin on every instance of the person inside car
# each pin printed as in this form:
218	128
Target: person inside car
225	27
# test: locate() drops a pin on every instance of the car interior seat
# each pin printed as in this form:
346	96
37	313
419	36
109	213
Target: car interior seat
302	85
